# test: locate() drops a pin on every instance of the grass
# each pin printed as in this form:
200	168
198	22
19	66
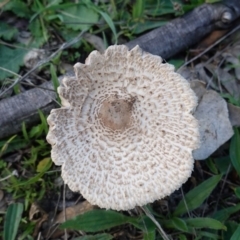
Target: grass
207	206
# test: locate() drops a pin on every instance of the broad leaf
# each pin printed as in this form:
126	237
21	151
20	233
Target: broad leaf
205	223
11	60
44	165
18	7
236	235
96	220
7	32
106	219
197	196
231	228
79	17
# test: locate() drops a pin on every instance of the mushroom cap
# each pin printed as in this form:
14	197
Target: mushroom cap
125	132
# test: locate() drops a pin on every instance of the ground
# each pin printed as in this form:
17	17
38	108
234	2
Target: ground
34	202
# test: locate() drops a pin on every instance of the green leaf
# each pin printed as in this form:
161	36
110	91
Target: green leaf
182	237
4	145
110	24
211	166
11	60
237	191
18	7
224	214
206	235
12	220
149	235
197	196
223	164
179	224
79	17
12	145
100	236
7	32
236	235
38	33
231	228
176	62
204	223
144	223
43	121
32	180
105	219
55	81
44	165
235	151
147	25
25	133
138	9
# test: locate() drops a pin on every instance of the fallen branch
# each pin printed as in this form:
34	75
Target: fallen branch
166	41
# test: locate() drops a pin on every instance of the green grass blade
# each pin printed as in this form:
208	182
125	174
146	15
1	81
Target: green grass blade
205	223
55	80
196	197
235	151
25	133
138	9
4	145
12	220
110	23
43	121
236	235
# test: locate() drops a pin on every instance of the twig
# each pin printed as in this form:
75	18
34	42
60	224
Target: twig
211	46
223	185
42	62
164	235
186	206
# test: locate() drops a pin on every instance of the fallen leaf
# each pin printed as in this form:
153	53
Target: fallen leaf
69	212
73	211
234	115
96	41
38	216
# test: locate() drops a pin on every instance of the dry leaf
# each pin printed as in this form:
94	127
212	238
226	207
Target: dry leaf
73	211
234	115
38	216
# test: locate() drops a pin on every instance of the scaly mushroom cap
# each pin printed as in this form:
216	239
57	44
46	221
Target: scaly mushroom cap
125	133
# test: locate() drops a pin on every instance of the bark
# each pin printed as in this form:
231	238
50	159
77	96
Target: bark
182	33
166	41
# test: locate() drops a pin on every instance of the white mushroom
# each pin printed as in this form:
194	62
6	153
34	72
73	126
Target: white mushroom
125	133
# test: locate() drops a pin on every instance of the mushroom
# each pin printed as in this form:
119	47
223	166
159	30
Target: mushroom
125	132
